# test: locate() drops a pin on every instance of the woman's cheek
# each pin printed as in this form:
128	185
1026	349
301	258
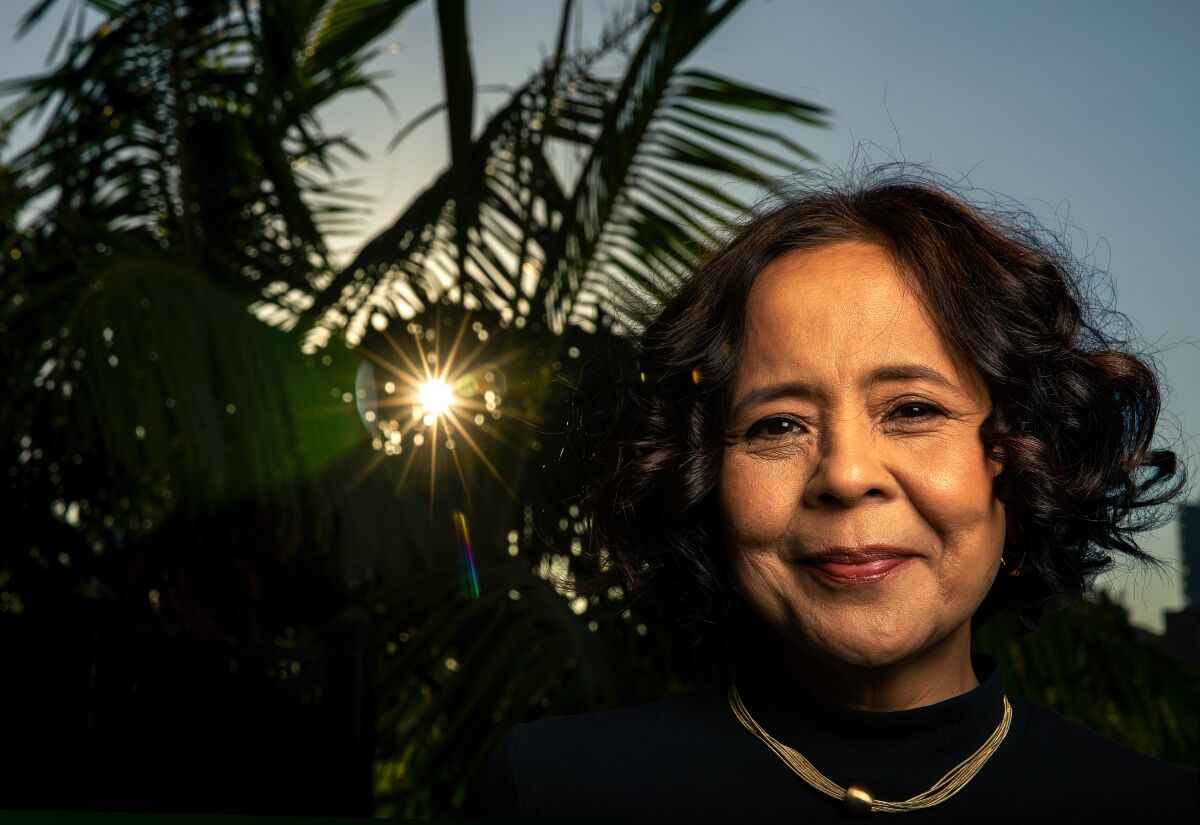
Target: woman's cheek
952	486
953	492
758	498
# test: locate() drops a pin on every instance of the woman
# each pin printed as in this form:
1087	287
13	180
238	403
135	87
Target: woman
877	415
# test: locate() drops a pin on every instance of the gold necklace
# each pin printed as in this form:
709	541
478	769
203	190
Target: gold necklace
857	798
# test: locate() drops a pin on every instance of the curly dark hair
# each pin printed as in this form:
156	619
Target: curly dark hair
1073	418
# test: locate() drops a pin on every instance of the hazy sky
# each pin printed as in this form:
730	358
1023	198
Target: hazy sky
1085	111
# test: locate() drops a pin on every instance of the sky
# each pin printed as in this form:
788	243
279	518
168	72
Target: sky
1084	111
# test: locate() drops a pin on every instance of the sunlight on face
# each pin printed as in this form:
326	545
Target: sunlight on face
853	426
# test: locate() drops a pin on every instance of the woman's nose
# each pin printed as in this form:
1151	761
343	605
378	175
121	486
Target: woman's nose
849	466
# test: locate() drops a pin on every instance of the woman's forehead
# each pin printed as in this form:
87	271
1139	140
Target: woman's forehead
837	298
840	312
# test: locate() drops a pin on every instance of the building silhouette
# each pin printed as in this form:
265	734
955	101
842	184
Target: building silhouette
1181	634
1189	529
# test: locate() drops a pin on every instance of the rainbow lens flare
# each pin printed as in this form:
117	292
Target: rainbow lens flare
468	576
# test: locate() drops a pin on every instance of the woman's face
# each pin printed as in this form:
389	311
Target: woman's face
857	502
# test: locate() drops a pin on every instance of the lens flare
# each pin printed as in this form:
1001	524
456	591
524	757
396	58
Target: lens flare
468	575
439	398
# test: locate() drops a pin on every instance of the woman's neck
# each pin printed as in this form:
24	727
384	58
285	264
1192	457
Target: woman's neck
937	674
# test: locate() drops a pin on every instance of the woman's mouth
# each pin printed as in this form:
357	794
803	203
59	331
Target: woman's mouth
859	565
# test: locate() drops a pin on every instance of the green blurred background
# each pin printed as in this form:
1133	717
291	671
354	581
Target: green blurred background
253	563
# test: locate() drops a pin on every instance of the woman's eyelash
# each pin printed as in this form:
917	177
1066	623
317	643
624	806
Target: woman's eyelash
932	409
758	428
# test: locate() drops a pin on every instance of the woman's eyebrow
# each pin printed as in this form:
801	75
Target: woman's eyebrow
889	373
771	392
910	372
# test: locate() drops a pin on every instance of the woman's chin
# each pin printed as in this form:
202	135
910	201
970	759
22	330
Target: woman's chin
866	655
867	648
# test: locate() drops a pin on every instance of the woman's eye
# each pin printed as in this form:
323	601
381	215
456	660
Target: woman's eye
914	410
773	428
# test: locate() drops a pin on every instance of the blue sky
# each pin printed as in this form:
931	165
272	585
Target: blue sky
1085	112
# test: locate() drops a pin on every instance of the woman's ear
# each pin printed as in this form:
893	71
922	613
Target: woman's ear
996	460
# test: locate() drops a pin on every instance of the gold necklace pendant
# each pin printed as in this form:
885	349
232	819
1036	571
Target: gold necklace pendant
857	798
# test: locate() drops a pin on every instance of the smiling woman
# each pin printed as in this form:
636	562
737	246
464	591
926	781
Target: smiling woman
877	415
856	496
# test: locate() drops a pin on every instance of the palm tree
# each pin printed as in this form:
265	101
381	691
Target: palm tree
167	179
167	496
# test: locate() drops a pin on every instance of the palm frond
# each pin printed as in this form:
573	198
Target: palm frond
571	181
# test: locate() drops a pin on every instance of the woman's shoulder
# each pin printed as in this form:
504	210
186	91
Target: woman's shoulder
642	727
1054	749
543	765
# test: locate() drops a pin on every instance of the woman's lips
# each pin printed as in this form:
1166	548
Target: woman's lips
867	566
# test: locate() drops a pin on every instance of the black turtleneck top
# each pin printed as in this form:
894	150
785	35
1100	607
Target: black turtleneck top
689	760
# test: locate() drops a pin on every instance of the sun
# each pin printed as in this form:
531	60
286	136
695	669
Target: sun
429	400
435	398
418	400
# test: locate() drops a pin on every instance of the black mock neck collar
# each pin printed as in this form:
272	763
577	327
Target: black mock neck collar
894	754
